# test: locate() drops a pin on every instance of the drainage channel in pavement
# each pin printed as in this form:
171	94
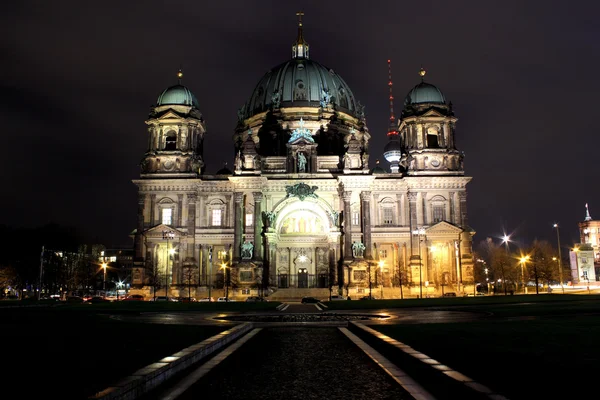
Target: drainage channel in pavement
291	363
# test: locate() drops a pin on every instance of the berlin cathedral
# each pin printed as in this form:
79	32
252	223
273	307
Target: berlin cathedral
301	213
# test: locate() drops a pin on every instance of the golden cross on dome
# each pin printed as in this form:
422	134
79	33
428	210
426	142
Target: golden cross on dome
299	14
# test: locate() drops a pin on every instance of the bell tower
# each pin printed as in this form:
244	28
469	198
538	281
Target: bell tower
427	133
176	132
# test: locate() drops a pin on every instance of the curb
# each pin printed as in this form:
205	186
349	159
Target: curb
149	377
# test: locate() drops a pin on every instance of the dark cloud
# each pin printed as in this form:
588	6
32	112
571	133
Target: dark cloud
78	79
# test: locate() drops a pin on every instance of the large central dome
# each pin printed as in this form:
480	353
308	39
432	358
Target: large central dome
300	82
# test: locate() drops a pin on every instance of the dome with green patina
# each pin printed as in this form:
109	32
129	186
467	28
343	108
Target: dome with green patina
177	95
425	93
300	82
378	169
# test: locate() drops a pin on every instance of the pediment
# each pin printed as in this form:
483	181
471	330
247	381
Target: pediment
443	228
301	141
170	115
432	113
157	231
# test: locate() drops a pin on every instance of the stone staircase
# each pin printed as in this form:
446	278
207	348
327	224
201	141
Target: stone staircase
295	294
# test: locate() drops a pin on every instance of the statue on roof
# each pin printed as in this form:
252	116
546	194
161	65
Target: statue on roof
276	98
325	98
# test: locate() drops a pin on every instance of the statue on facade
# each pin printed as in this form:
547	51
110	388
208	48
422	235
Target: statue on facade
270	217
301	162
358	249
241	114
247	248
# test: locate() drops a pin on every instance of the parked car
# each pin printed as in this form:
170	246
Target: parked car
186	299
98	299
449	294
255	299
163	298
224	299
207	299
134	297
367	297
337	297
309	300
75	299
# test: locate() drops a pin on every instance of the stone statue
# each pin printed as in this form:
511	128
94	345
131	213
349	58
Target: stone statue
247	248
270	218
325	98
276	99
365	160
238	161
358	249
241	113
301	162
360	111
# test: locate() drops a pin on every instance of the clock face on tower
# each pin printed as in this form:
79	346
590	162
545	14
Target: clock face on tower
435	163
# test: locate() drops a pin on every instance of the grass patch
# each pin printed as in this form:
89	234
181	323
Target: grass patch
543	350
73	352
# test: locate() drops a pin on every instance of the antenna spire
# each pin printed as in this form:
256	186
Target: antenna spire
392	128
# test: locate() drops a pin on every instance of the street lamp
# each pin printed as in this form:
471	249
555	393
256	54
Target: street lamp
523	260
381	263
505	240
168	235
559	259
225	286
418	231
104	282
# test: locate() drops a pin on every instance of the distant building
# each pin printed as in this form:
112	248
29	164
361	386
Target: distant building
300	207
585	261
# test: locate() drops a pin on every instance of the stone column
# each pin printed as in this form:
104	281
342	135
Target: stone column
191	225
258	225
152	210
237	224
347	195
401	219
179	209
139	238
419	204
202	211
463	208
365	199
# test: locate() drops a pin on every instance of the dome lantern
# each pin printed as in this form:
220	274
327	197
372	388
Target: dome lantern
300	48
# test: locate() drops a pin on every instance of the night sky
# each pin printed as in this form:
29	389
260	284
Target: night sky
77	80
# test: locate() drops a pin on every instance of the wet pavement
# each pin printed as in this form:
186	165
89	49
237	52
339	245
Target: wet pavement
297	363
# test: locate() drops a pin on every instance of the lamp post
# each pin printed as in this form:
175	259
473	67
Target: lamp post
505	240
418	232
523	260
559	259
168	235
224	266
381	263
104	281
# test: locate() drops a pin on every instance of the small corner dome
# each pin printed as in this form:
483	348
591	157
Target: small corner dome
224	171
378	169
177	95
425	93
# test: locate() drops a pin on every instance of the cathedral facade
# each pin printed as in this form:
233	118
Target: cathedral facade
302	212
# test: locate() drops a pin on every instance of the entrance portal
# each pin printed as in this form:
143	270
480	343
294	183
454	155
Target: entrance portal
302	278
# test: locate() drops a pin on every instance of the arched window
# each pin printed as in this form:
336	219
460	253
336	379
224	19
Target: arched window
438	209
171	141
387	211
216	213
166	209
432	138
